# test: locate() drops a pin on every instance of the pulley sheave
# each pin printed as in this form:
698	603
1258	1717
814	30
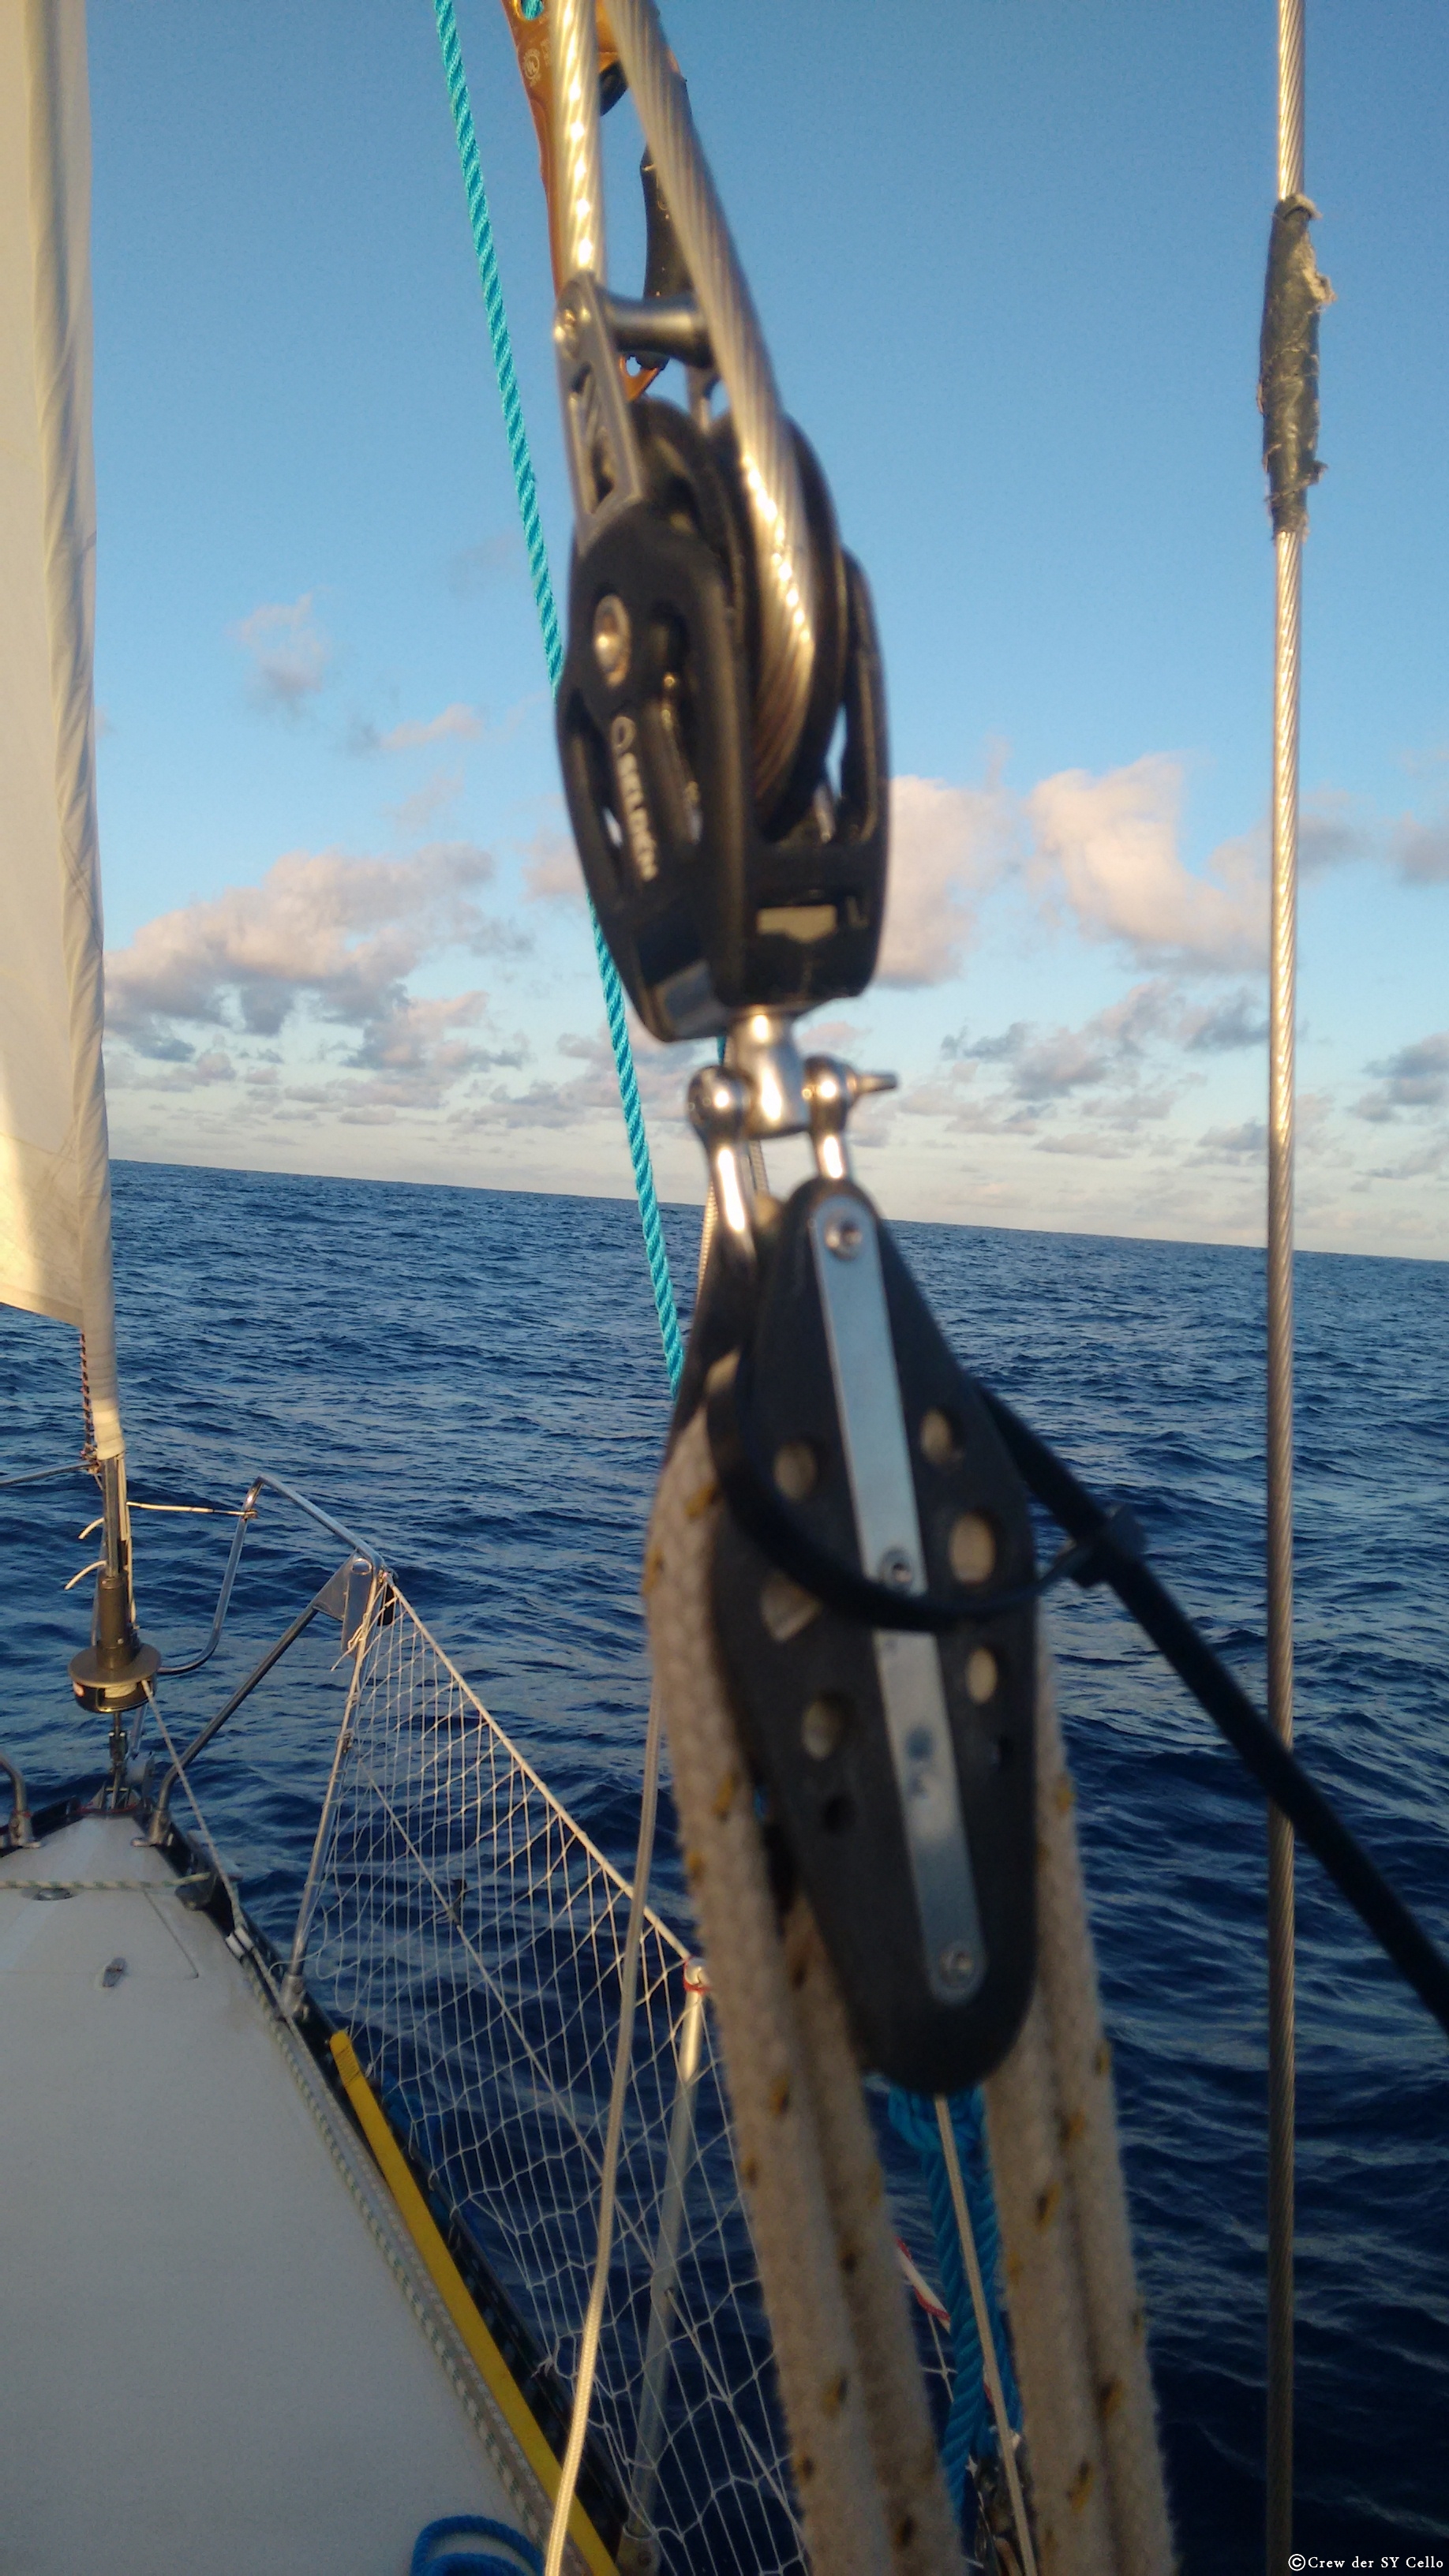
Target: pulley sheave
707	910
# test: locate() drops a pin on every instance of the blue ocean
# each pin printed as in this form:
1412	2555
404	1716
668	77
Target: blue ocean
472	1381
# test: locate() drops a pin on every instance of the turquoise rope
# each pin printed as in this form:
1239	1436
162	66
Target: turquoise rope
970	2433
538	573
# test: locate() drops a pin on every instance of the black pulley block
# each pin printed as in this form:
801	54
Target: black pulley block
886	1705
708	907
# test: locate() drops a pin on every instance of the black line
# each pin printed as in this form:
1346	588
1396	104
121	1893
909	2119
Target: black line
1278	1773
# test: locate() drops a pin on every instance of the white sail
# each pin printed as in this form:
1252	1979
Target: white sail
55	1212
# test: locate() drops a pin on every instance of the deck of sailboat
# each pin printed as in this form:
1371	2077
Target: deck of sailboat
219	2349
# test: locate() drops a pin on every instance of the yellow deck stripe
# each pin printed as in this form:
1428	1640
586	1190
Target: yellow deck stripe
421	2226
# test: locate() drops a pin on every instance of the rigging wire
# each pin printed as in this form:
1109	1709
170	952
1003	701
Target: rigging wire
774	494
208	1842
1282	2035
543	593
577	143
1289	523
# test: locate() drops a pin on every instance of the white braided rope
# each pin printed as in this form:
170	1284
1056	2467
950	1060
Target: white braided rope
918	2513
1077	2321
814	2194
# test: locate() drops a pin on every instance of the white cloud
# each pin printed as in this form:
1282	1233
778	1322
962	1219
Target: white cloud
1112	1045
476	569
1423	1165
1238	1021
1068	1060
1016	1081
196	1073
662	1073
1091	1144
415	1053
322	954
1102	852
1331	831
413	815
1099	851
1106	852
948	845
1416	1078
290	654
340	932
551	870
1422	850
457	723
844	1037
1245	1143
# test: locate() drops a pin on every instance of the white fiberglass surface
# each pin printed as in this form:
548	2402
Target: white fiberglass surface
207	2361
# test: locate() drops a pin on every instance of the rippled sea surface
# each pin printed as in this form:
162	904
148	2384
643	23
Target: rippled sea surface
472	1381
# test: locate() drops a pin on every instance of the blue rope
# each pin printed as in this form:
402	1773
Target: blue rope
431	2557
538	573
970	2433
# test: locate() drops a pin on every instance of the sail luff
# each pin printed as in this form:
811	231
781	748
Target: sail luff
55	1213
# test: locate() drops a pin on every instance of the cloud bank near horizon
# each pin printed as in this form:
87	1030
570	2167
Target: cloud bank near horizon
292	1003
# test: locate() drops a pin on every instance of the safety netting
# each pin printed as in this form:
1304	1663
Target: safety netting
469	1937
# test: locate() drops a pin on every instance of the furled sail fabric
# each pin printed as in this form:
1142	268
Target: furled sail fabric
55	1214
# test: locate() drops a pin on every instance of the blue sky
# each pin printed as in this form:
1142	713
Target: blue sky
1009	260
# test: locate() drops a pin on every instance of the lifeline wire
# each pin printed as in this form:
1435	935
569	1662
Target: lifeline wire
608	2186
527	490
209	1842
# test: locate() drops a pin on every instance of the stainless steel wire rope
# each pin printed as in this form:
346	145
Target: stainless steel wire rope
767	453
1288	568
577	146
1281	2000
